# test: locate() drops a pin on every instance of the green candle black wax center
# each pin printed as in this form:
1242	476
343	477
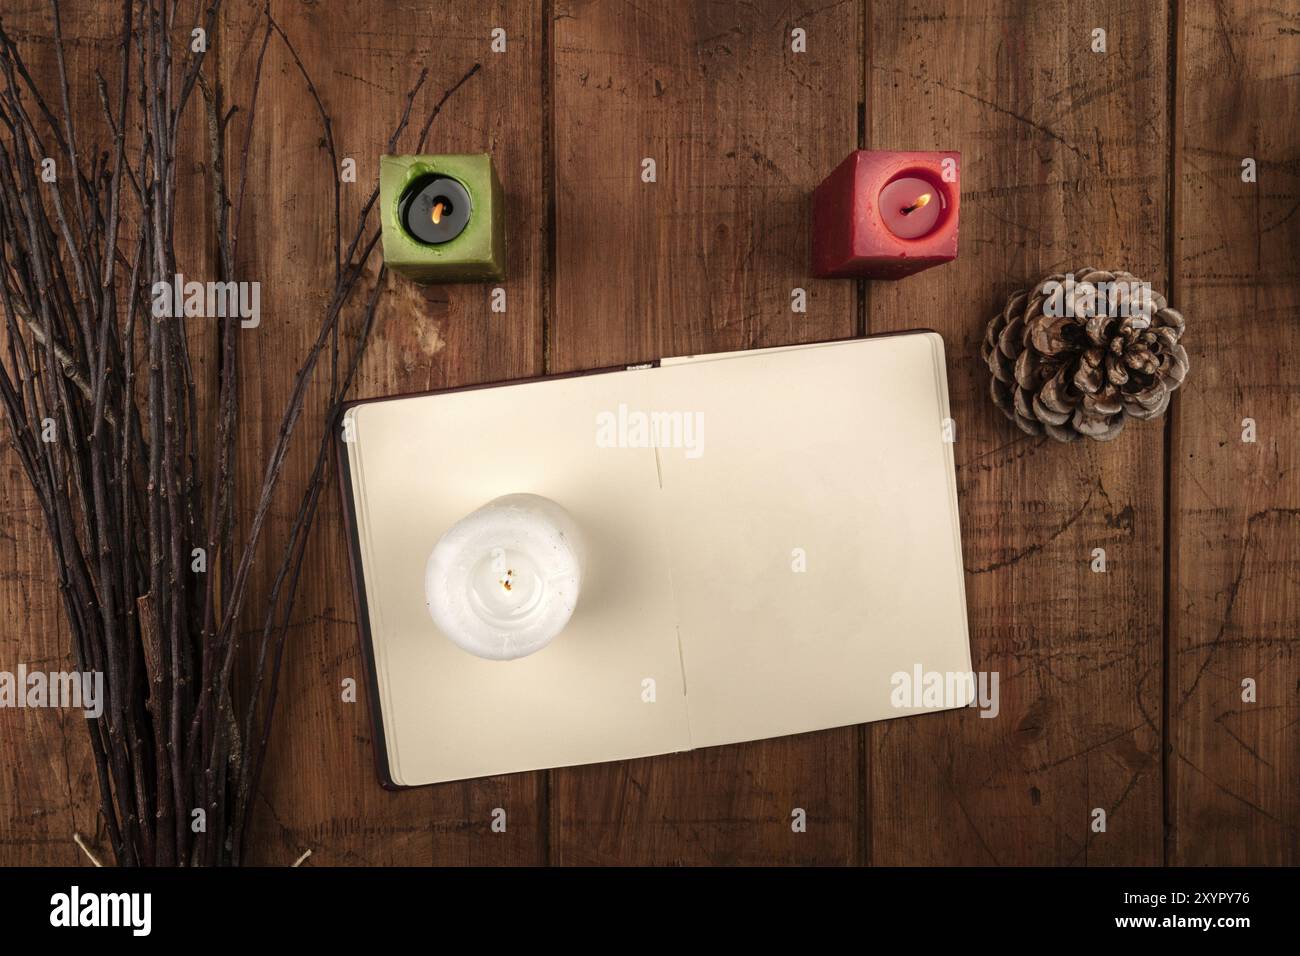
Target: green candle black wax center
434	209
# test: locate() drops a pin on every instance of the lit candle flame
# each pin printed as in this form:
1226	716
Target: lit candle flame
921	200
437	212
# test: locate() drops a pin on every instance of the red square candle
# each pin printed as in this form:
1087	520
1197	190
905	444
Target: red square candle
885	215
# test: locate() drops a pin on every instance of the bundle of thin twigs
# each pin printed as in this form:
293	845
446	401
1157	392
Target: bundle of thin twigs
102	407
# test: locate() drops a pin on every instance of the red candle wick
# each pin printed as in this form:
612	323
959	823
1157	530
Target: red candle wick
921	200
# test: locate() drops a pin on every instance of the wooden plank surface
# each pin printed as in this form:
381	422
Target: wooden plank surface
1234	771
1069	159
321	791
702	260
1064	165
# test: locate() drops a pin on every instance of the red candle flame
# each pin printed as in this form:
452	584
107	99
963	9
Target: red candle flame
921	200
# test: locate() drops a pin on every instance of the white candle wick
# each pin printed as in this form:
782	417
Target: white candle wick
503	581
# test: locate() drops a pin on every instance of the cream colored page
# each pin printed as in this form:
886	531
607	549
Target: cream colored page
831	456
424	463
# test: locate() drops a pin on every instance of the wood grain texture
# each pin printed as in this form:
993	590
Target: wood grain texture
1064	165
701	260
741	130
47	776
321	791
1234	766
1069	159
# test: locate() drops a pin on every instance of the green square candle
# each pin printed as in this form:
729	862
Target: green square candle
443	217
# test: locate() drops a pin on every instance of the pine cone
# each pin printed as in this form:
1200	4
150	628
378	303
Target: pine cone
1079	360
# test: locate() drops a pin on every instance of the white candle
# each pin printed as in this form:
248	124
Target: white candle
503	581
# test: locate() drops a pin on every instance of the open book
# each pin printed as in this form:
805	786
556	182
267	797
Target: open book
772	536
